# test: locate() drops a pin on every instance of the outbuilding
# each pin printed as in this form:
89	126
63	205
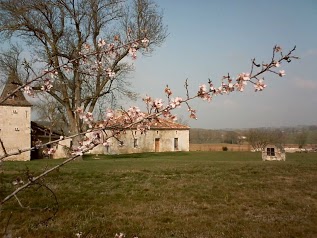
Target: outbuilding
273	152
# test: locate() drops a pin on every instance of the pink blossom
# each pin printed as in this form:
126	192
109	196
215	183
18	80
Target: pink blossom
281	73
277	64
259	85
158	103
277	48
101	43
109	114
202	93
28	90
244	76
110	73
135	114
143	127
79	110
192	113
176	102
47	85
106	144
202	89
51	151
132	52
53	74
110	48
231	86
86	47
168	91
211	87
147	100
145	42
240	85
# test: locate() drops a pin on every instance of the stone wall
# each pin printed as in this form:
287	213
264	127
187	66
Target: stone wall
15	130
153	141
278	154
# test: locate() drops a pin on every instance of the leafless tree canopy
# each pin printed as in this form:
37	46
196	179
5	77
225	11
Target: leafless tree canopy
56	31
259	138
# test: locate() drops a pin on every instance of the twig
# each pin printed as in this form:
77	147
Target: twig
21	205
3	148
7	225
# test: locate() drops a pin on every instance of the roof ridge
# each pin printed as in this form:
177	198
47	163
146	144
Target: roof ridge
16	99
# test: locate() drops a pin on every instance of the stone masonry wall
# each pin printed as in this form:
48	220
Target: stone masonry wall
15	131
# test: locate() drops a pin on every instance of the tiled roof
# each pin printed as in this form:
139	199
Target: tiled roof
155	124
161	123
17	99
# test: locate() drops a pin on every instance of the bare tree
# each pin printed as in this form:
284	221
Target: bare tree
259	138
301	138
57	32
50	111
231	137
10	61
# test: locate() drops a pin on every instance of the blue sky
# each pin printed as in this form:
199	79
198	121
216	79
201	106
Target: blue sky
208	39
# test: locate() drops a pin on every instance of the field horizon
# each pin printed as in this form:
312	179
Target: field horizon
180	194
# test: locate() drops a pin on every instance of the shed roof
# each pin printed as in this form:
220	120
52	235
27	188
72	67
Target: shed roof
17	99
37	128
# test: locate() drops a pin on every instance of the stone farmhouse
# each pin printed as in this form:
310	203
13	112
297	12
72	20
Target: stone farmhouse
18	132
163	136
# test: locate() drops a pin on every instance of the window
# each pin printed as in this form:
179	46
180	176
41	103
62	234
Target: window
157	144
270	152
16	129
12	96
175	143
135	143
15	111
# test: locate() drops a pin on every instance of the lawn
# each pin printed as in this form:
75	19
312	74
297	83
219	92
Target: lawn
194	194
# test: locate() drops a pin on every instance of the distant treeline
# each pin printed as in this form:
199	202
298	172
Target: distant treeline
300	135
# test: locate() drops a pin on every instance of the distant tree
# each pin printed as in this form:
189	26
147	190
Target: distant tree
301	138
10	61
231	137
181	120
259	138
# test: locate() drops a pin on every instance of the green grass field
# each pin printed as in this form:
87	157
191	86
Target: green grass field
195	194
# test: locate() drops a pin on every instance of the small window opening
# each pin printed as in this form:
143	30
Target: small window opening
135	143
270	152
175	143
